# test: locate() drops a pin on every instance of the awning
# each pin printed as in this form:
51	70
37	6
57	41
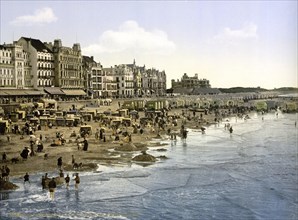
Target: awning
74	92
53	91
20	92
34	92
15	92
3	93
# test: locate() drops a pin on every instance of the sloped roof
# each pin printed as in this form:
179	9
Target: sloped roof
20	92
53	90
88	59
37	44
74	92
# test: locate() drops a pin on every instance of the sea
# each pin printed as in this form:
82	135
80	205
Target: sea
249	174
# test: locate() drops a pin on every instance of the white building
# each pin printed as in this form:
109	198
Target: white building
125	80
14	67
41	62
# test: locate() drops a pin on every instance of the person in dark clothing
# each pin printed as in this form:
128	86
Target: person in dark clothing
43	182
61	174
77	181
4	157
7	171
26	178
3	173
85	148
59	163
39	147
67	179
52	187
72	159
25	153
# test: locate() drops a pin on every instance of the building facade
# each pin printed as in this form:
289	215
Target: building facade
154	82
41	61
62	71
68	66
93	77
190	82
125	81
14	67
109	83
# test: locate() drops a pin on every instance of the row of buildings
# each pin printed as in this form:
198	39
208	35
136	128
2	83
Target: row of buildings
29	65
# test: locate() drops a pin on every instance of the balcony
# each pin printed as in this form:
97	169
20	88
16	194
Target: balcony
45	77
46	68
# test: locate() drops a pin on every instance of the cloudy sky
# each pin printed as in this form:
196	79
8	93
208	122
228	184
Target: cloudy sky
231	43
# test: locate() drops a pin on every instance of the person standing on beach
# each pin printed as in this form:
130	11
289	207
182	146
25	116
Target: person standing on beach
26	178
67	179
73	159
8	138
231	130
25	153
59	163
77	181
7	171
43	182
85	148
4	157
61	174
52	187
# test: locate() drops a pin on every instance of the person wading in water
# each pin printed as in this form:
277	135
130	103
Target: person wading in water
52	187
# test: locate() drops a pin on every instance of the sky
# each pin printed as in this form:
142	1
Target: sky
230	43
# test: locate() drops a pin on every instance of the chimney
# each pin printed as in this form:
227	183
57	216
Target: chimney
57	43
76	47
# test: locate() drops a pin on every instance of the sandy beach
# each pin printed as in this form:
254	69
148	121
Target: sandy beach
110	152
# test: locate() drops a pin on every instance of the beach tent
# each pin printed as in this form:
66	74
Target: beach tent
205	104
26	106
49	103
130	105
43	120
271	104
180	103
197	103
261	106
52	120
289	107
230	103
240	103
85	129
60	121
218	103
